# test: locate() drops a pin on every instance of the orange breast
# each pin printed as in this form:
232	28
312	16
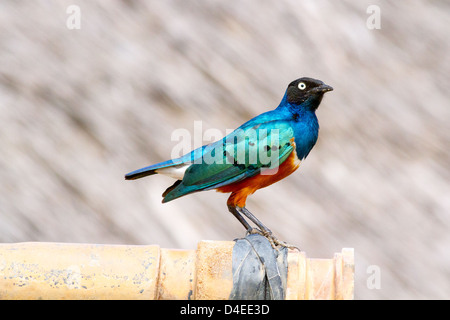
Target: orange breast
242	189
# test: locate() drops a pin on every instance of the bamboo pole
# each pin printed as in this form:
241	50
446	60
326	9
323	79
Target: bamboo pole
88	271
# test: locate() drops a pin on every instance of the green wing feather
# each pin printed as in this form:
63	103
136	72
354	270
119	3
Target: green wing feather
241	154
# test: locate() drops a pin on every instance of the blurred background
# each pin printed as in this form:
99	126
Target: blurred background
80	108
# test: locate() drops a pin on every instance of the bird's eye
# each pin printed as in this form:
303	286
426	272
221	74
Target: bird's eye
302	86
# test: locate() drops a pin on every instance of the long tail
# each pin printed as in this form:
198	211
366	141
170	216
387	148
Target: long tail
147	171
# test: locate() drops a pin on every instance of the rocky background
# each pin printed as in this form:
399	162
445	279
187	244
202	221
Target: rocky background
80	108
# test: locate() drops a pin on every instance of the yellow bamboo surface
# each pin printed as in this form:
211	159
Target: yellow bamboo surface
90	271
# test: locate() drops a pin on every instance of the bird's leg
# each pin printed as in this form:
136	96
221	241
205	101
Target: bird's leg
235	212
265	231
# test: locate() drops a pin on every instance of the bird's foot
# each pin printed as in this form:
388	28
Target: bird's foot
256	231
274	241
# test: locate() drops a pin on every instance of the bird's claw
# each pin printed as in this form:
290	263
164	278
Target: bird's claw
257	231
274	241
283	244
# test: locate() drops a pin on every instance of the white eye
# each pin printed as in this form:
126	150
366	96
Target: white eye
302	86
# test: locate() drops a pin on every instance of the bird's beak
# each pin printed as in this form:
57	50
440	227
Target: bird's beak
324	88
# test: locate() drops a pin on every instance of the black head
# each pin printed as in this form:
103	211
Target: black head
306	91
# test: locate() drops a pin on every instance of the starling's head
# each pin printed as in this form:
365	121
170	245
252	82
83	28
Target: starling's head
306	91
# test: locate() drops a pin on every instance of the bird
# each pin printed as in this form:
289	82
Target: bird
260	152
